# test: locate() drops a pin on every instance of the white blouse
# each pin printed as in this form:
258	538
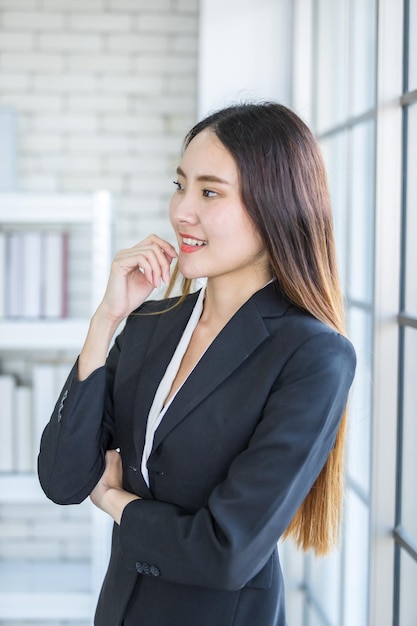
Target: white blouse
158	410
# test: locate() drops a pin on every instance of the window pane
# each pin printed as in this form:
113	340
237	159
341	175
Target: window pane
362	57
332	77
356	558
360	402
293	567
411	228
324	580
409	458
408	603
362	212
335	157
412	53
314	619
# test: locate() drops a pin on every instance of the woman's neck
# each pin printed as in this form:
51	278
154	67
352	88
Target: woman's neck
225	296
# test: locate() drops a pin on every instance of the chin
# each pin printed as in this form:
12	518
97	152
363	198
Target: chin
192	276
188	272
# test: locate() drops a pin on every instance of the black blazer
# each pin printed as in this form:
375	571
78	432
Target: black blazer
235	455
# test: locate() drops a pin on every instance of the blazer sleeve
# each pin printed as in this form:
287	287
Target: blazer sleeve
80	430
225	544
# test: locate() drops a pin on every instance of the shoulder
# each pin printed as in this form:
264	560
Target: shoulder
297	331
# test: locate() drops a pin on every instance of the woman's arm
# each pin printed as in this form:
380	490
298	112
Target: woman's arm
81	428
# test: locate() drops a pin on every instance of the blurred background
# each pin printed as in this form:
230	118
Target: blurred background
95	98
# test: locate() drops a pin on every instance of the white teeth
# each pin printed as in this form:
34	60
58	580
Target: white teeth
193	242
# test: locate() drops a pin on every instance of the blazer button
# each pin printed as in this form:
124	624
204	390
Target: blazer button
139	567
155	571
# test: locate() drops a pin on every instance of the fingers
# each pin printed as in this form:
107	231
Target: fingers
153	265
152	257
135	272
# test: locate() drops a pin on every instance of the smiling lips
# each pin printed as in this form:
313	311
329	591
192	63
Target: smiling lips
189	244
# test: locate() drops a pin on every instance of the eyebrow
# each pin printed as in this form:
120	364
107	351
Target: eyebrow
207	178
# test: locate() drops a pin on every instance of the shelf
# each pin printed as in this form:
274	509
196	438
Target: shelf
17	488
59	590
61	334
43	210
32	208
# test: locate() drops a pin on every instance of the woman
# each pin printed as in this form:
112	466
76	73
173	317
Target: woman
226	405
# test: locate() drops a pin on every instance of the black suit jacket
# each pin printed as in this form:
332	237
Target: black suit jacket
235	455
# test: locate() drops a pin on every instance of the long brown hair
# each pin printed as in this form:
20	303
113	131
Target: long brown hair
284	190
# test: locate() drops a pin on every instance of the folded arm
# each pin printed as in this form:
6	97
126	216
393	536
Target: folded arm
224	544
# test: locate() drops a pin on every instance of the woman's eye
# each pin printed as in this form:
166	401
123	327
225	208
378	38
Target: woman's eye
207	193
180	187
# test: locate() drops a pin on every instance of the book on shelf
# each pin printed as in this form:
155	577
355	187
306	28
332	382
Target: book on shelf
24	459
13	275
54	275
35	274
7	395
31	274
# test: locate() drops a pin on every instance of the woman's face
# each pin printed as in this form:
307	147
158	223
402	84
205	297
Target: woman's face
215	234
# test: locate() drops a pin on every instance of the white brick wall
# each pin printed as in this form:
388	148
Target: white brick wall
104	92
34	20
70	41
100	84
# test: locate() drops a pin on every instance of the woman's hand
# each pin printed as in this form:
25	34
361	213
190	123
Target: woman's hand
135	272
109	495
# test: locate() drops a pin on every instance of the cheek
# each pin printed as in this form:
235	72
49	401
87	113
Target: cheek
222	222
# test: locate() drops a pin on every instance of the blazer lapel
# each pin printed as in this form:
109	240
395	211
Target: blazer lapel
170	327
238	339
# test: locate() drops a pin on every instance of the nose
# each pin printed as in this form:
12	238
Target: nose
182	209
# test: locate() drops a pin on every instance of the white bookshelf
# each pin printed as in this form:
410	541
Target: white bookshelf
53	590
39	335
